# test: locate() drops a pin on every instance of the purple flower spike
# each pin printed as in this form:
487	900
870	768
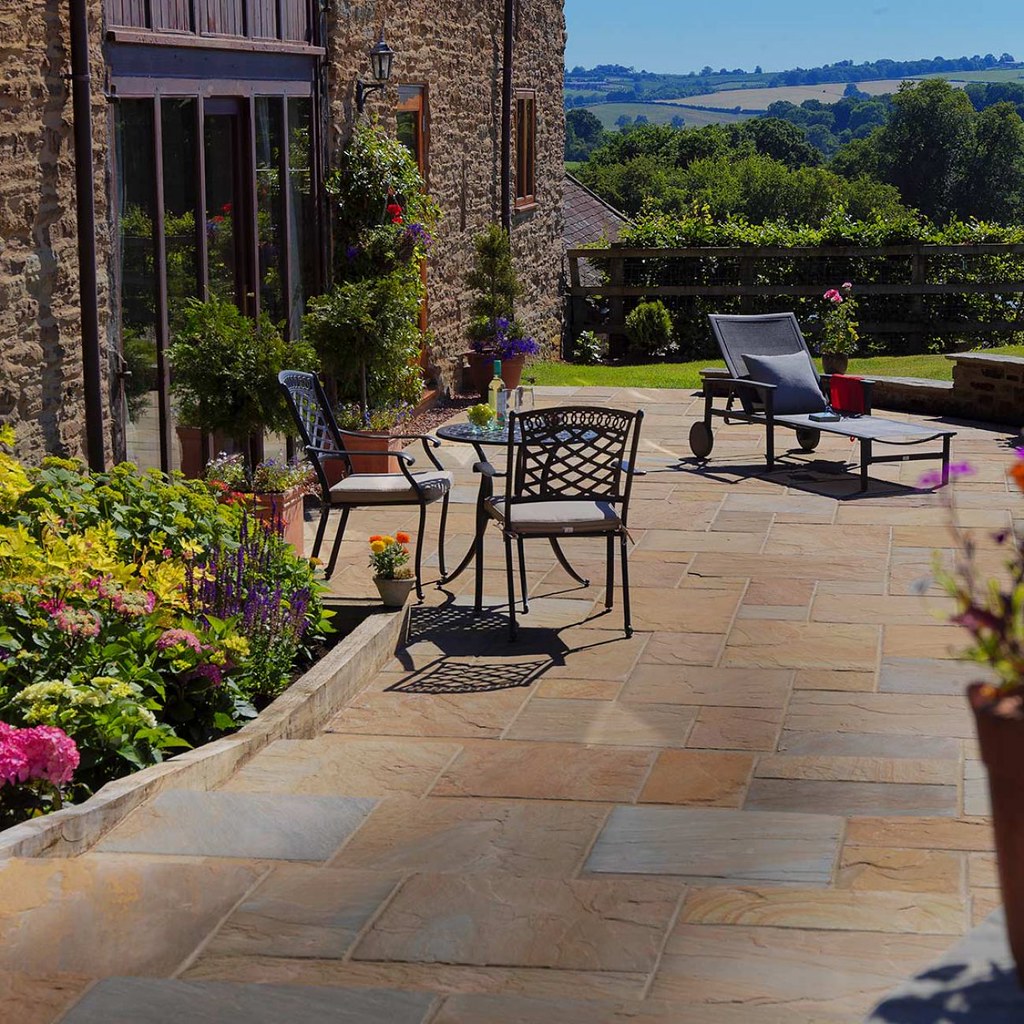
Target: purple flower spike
929	481
962	469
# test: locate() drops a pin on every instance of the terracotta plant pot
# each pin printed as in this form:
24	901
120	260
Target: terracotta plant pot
286	507
394	593
193	465
479	369
334	469
1001	739
834	362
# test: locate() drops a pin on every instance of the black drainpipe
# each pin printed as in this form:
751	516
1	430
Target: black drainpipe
506	118
81	101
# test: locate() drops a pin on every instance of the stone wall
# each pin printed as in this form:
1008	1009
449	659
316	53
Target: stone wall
41	390
454	48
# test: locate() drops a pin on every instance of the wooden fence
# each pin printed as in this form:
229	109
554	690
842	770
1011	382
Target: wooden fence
914	294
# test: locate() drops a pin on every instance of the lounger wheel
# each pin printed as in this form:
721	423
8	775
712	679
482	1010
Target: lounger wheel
808	439
701	439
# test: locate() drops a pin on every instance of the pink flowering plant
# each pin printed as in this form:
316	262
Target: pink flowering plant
139	616
839	327
36	766
991	610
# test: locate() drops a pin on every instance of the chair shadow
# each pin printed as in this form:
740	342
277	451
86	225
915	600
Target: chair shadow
994	999
443	676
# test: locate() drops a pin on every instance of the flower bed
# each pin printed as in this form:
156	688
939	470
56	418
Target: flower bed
139	616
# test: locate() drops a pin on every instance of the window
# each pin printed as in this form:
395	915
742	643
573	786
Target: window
526	150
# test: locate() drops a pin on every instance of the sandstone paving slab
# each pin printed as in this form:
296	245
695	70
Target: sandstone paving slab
886	713
480	714
526	838
681	610
712	843
934	772
828	909
925	833
884	610
765	504
976	980
683	648
736	728
928	675
800	972
820	541
701	685
697	540
29	999
834	679
96	915
604	722
440	978
982	872
934	641
349	765
557	688
754	644
594	654
798	567
605	924
983	902
271	826
848	798
162	1001
876	869
780	613
547	771
804	743
698	778
977	802
520	1010
300	910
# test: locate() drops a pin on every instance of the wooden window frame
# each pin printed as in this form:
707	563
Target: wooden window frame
526	150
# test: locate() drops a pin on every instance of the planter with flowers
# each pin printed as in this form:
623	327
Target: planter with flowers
494	332
992	612
389	559
839	335
273	490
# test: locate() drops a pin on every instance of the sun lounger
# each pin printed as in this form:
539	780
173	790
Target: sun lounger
775	391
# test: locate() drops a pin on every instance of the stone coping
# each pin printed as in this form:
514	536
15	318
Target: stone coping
994	358
298	713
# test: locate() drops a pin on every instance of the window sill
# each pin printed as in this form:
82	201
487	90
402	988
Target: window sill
526	206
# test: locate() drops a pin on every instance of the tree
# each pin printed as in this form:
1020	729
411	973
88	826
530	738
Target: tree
678	121
782	141
585	124
993	181
921	149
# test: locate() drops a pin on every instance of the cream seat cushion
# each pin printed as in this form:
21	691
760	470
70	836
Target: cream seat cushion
563	516
390	488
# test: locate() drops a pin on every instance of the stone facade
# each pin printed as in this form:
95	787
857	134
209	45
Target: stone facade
454	48
41	388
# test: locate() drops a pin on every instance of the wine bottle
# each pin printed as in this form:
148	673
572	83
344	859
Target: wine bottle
496	395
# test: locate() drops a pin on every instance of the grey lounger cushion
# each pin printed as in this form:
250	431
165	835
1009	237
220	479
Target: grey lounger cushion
795	380
561	516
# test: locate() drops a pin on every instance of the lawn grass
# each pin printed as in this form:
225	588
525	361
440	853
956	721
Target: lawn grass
687	375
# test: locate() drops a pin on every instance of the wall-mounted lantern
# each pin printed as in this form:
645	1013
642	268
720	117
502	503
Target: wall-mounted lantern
381	59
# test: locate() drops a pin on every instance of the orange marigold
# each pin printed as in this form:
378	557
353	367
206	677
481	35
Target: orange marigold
402	538
376	536
1017	472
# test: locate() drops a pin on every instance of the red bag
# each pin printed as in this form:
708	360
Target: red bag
847	393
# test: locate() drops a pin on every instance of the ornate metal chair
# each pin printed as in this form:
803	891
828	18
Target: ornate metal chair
569	473
324	441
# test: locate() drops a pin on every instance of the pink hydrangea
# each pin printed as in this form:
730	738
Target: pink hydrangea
175	637
43	752
133	603
77	622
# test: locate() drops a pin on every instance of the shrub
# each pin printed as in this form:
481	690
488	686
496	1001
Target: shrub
589	349
649	329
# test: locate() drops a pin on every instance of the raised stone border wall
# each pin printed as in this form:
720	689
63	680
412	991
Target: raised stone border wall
985	387
297	714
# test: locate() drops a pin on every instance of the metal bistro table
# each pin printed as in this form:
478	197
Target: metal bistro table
466	433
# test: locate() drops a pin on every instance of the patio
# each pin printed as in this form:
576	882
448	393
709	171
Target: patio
766	806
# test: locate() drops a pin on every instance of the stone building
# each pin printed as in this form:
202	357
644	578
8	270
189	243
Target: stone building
214	124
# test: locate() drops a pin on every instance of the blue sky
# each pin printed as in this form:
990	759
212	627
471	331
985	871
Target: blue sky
684	35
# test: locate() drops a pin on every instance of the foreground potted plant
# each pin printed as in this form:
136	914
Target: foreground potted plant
225	368
839	335
992	612
273	490
389	559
